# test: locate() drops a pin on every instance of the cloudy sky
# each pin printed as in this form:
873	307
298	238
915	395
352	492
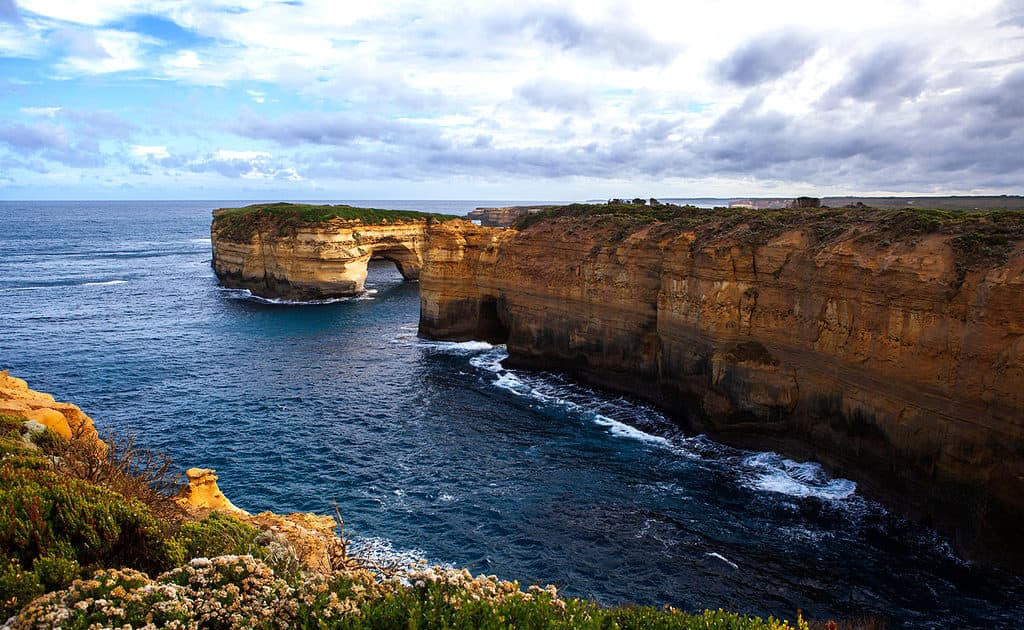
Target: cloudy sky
388	99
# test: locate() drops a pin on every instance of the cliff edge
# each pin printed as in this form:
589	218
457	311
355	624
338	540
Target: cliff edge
886	344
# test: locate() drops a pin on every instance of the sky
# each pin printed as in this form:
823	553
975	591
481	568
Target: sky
389	99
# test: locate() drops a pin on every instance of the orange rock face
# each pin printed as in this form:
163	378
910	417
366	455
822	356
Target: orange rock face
65	419
316	261
886	362
202	493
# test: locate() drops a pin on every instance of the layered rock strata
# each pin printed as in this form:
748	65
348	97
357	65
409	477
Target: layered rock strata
896	364
314	261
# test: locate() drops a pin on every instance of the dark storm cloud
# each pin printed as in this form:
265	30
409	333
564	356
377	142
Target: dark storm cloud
886	76
9	12
39	136
337	129
625	42
967	138
98	124
1011	14
55	143
555	95
767	58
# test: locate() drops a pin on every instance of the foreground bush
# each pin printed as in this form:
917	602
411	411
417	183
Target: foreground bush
243	592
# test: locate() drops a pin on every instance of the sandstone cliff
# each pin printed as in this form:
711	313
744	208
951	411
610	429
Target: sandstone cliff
64	419
301	252
889	347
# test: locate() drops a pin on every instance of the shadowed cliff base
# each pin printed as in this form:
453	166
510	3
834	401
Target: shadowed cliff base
886	343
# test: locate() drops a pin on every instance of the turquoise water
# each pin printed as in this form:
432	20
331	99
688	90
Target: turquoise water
431	449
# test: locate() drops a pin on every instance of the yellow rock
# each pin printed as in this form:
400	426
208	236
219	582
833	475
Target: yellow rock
202	493
51	419
16	399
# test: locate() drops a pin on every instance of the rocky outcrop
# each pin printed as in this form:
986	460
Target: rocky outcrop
65	419
307	539
503	217
314	261
202	494
896	361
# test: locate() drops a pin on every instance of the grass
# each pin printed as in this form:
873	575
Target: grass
240	224
980	239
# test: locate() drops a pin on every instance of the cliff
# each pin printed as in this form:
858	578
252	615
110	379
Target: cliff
64	419
888	345
299	252
503	217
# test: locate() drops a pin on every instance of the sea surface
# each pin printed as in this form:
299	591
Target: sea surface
432	450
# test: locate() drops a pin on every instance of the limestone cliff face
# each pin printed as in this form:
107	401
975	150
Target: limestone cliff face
887	362
65	419
314	261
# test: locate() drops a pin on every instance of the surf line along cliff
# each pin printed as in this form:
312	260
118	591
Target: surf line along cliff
303	252
886	344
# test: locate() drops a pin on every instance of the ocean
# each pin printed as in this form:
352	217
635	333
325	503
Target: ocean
433	450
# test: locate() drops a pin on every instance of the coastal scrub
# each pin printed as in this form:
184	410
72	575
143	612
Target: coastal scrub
240	224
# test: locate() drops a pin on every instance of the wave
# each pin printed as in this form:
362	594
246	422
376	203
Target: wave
718	556
456	347
381	553
246	294
104	283
773	473
764	471
64	285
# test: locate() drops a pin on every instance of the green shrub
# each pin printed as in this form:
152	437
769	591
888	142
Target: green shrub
55	572
240	224
48	441
43	513
17	587
218	535
11	425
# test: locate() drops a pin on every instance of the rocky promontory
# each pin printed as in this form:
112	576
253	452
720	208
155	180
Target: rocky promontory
301	252
887	344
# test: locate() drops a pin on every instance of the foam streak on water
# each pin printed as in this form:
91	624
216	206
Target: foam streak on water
434	450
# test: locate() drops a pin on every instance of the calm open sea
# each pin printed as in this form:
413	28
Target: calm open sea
432	449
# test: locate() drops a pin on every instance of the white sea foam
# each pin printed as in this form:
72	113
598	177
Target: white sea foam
104	283
622	429
772	473
246	294
70	285
627	419
719	556
458	347
380	552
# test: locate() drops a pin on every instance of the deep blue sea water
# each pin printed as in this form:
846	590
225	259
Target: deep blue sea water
432	449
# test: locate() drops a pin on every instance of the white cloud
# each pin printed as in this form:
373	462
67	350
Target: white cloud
257	97
226	154
120	50
150	151
41	112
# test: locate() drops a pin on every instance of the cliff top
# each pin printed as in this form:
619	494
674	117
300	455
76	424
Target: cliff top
242	223
979	238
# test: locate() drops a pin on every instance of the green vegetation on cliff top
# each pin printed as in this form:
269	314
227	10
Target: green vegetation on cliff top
240	224
980	239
